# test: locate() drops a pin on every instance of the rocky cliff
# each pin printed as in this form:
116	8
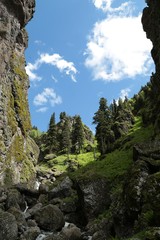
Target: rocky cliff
151	25
150	22
18	152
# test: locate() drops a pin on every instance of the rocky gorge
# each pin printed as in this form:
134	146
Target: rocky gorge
35	205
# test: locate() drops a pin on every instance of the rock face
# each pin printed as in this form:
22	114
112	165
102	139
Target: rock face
18	152
151	25
94	196
150	22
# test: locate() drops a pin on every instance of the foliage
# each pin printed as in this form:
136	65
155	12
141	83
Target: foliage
77	134
115	164
66	136
104	133
112	123
52	135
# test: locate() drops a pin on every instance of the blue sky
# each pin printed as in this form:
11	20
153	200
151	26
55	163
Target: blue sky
82	50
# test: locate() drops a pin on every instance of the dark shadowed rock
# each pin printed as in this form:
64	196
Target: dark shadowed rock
31	234
94	196
8	226
68	233
20	218
49	218
15	199
71	232
64	189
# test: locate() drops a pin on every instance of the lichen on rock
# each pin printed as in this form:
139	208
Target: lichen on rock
18	153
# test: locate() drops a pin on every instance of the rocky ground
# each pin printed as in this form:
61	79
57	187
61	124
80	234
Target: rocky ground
65	209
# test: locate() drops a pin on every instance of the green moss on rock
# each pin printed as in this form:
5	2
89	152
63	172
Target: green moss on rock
21	106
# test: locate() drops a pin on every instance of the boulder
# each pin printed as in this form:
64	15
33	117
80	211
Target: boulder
31	233
15	199
64	189
19	216
71	232
68	233
49	218
8	226
34	209
94	195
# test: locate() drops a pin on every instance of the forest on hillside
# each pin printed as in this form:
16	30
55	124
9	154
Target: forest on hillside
71	136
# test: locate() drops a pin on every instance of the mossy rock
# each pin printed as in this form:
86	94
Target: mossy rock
21	159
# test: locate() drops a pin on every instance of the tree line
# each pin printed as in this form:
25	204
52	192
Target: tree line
112	122
69	135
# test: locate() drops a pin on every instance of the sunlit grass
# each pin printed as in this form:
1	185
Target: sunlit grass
113	165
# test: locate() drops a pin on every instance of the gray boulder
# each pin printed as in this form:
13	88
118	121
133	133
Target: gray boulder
71	232
94	195
31	233
49	218
8	226
64	189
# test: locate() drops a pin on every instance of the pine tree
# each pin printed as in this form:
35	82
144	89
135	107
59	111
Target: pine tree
123	118
66	137
60	127
77	135
52	135
104	133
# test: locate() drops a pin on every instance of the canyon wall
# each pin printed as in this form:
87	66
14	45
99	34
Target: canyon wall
18	152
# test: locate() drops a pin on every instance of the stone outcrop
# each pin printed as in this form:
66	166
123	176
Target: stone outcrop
150	22
18	152
151	25
94	196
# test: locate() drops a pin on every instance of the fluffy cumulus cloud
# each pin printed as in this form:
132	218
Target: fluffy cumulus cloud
57	61
117	47
52	59
46	98
124	93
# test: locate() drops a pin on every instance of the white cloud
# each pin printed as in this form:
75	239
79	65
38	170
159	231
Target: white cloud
106	6
30	68
42	110
124	93
39	42
102	4
54	79
47	97
55	60
117	47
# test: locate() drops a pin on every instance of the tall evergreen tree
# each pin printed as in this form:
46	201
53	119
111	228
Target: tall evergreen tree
123	118
77	134
104	133
66	137
52	135
60	128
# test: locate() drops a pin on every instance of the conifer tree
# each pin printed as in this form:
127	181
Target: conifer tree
77	135
60	127
66	137
52	135
104	133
